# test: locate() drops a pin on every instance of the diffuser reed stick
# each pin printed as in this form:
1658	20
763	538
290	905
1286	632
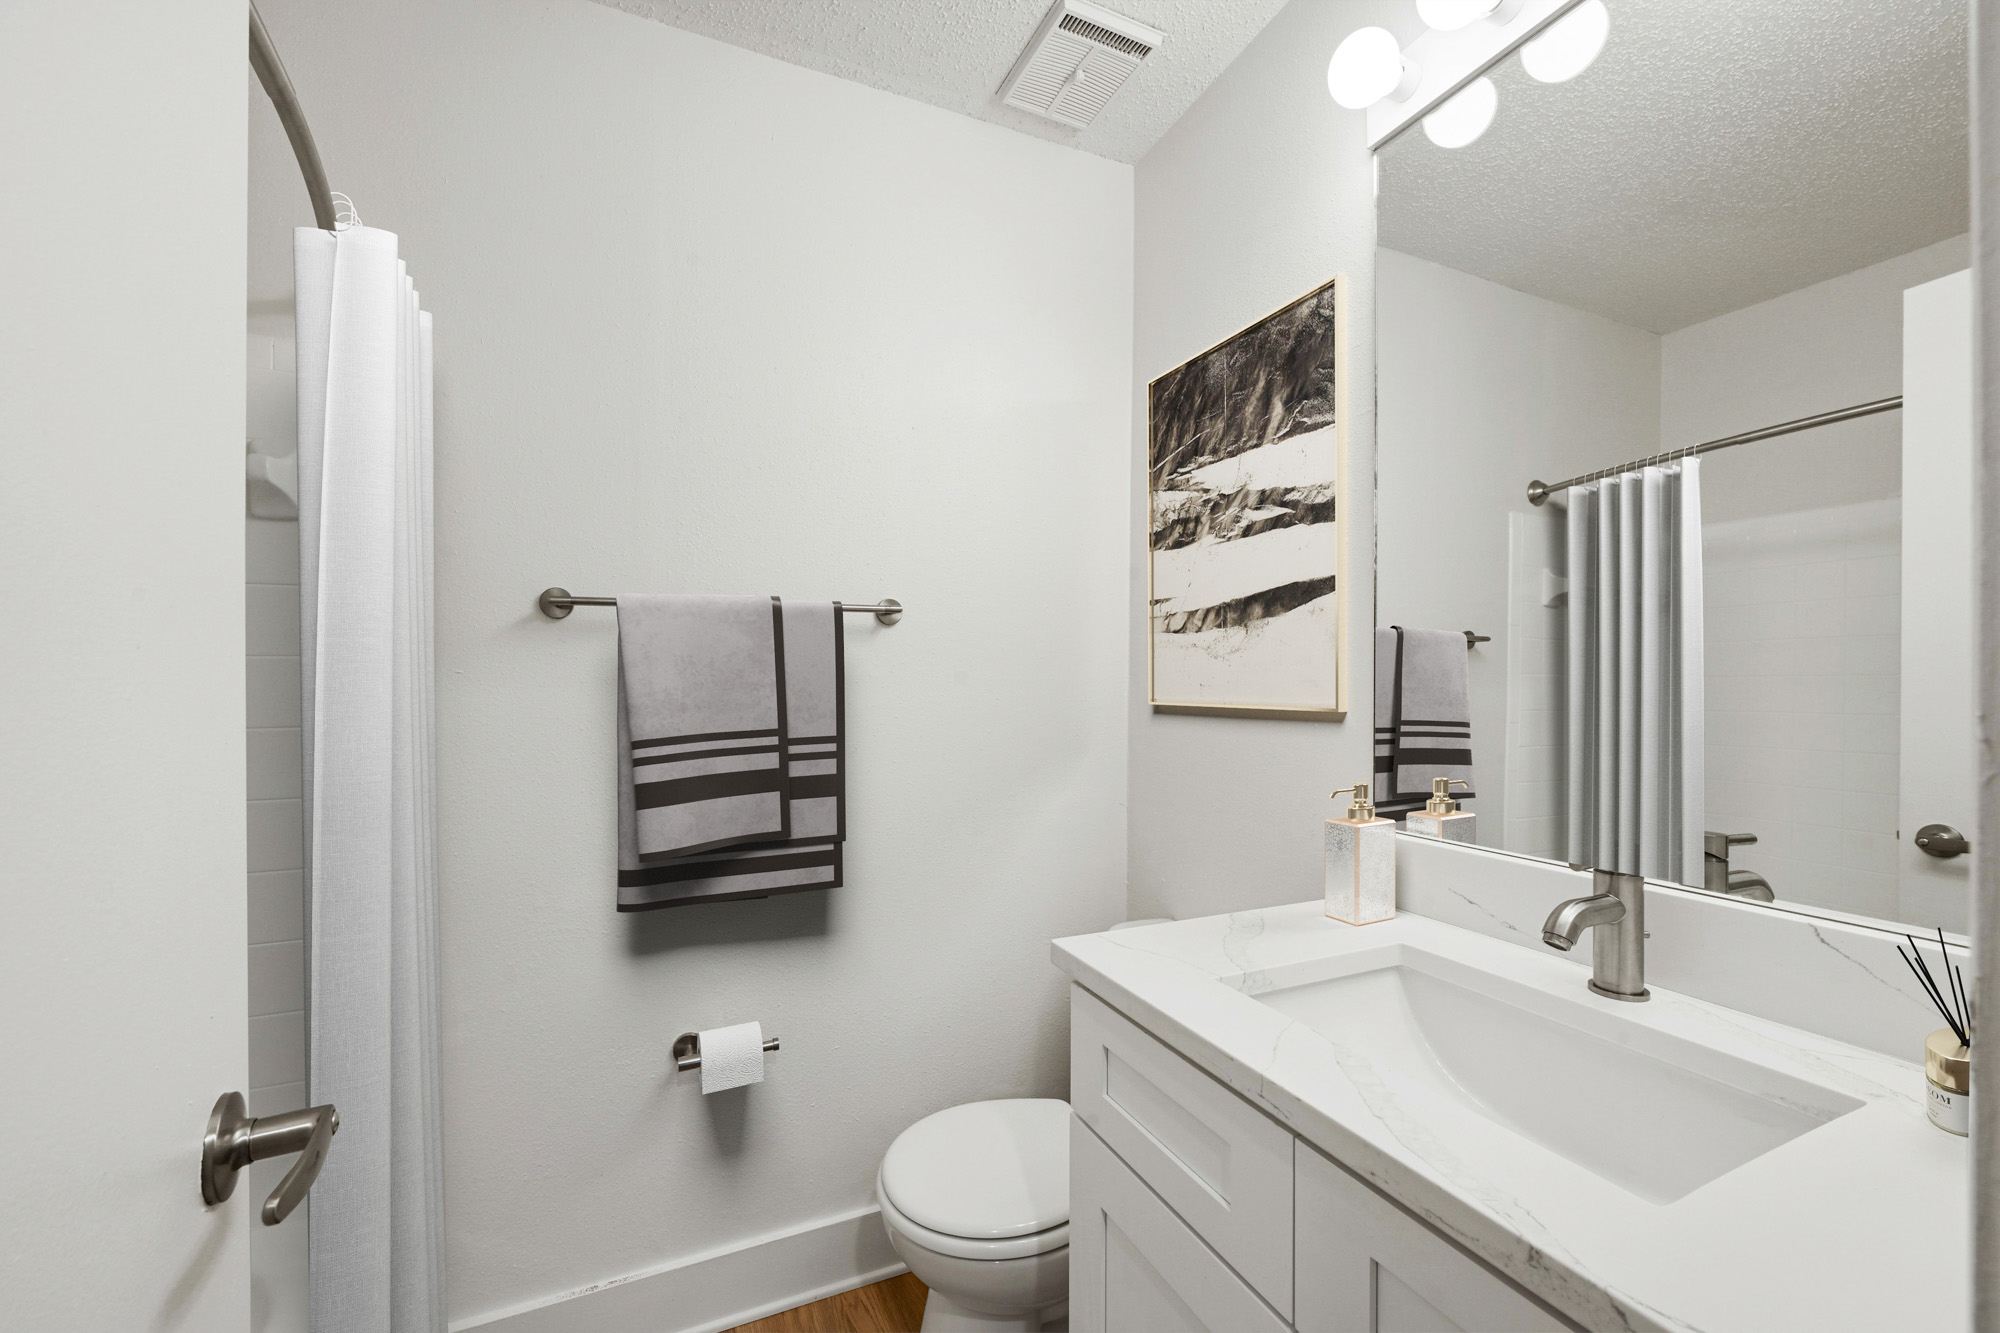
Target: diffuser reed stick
1954	1013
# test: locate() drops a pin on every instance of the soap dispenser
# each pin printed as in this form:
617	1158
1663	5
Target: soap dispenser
1441	817
1360	863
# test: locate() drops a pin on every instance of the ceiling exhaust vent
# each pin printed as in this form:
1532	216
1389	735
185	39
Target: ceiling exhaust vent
1079	57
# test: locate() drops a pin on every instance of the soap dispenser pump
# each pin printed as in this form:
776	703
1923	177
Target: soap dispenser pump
1360	863
1441	817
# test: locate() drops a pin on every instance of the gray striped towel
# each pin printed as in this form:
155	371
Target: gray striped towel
1423	716
811	736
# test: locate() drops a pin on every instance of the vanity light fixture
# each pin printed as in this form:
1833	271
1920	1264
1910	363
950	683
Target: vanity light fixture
1465	116
1451	15
1369	66
1437	77
1570	45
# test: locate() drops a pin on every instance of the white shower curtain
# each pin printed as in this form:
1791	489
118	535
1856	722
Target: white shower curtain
364	355
1635	674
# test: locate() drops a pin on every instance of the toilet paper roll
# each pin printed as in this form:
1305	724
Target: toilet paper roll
732	1057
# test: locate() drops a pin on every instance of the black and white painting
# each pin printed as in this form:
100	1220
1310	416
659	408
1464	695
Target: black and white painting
1246	447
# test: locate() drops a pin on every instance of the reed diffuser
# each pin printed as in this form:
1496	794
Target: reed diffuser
1948	1051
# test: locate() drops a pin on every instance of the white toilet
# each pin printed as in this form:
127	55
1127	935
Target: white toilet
976	1199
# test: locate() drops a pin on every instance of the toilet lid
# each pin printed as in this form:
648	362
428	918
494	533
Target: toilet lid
985	1170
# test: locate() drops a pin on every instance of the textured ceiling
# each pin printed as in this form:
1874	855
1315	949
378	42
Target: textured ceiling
955	53
1719	153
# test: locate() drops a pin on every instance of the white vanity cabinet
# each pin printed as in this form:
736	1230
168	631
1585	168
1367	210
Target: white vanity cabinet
1366	1266
1192	1210
1134	1265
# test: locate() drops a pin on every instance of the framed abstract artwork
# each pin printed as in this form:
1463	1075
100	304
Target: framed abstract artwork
1246	553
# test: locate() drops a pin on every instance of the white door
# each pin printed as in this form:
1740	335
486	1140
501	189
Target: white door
122	921
1938	711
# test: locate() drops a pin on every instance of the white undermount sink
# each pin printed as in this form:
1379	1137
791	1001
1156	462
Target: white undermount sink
1649	1112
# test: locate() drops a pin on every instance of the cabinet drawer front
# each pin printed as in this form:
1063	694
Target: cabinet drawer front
1366	1266
1136	1268
1219	1162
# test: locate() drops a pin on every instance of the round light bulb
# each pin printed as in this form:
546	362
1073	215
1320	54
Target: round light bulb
1451	15
1465	117
1365	68
1569	45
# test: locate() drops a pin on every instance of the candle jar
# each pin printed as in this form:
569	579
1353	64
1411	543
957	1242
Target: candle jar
1948	1081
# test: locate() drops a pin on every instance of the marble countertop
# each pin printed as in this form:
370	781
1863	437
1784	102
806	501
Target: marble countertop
1862	1223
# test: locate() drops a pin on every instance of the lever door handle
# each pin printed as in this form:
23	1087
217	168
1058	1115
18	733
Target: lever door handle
234	1140
1941	840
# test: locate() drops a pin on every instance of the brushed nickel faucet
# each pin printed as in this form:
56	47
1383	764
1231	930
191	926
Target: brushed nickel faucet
1616	914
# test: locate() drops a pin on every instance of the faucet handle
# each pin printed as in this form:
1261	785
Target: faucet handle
1717	845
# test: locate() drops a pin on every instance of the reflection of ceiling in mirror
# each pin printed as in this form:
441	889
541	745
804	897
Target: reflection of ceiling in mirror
1719	153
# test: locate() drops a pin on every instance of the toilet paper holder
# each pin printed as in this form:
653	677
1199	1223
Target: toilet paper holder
687	1050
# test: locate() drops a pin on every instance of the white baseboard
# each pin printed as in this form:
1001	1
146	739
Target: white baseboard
718	1289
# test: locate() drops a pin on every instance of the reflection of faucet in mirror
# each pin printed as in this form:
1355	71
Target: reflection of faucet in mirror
1616	913
1717	877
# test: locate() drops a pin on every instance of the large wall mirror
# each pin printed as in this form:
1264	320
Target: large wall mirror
1747	670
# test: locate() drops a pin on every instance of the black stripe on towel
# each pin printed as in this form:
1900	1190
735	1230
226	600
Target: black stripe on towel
710	882
677	872
726	752
693	737
709	787
1407	758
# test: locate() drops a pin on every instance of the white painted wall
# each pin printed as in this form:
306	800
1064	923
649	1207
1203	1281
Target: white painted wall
1259	194
1830	345
1479	390
709	322
121	742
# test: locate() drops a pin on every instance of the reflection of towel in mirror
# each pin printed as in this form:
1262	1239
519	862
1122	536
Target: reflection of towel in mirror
1423	716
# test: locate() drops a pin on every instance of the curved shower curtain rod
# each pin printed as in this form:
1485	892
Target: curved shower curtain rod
278	84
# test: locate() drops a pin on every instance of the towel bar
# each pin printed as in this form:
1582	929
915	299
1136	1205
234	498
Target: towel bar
1471	638
556	603
687	1050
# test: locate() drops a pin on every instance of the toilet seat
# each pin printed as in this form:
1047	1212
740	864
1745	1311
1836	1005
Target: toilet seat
965	1247
985	1180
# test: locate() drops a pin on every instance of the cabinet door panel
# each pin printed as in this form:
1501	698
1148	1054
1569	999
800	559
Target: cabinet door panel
1399	1309
1218	1161
1134	1267
1366	1266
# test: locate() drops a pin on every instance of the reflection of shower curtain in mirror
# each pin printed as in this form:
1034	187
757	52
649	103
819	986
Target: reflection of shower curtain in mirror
376	1214
1634	755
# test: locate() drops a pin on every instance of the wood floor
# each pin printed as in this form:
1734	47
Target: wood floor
895	1306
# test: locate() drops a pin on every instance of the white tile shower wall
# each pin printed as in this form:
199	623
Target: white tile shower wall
1537	564
1803	611
276	849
